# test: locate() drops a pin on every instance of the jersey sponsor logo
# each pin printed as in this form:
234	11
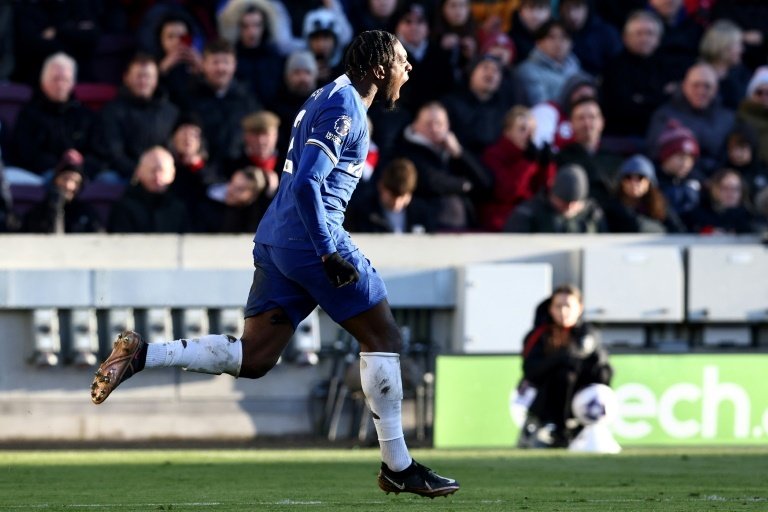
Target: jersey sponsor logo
342	125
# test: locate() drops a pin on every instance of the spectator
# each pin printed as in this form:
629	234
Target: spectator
389	206
249	26
680	43
752	17
327	33
526	22
566	208
454	33
501	47
587	151
432	75
139	118
54	122
494	15
595	42
679	180
723	209
520	170
550	64
240	204
553	123
260	132
634	84
194	174
178	60
372	14
561	355
448	176
147	206
743	149
220	101
638	206
43	29
754	109
62	211
8	221
697	108
722	47
299	80
477	110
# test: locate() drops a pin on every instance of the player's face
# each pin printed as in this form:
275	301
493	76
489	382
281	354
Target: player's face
396	75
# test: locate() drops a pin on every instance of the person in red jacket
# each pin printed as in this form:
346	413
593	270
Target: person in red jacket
520	170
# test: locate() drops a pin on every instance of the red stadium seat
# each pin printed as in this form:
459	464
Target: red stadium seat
95	95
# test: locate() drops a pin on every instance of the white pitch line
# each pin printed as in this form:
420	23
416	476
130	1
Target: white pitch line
40	506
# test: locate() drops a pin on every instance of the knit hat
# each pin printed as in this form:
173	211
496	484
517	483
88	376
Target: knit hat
571	183
497	39
301	59
68	163
760	77
676	138
638	165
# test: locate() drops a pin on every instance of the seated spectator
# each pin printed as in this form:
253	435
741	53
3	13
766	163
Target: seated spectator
722	210
542	75
722	47
526	22
42	29
454	33
566	208
595	42
754	109
680	41
477	110
8	220
372	15
147	206
679	180
448	175
389	205
260	132
327	34
432	75
634	84
239	205
249	26
501	47
62	211
194	174
54	122
742	154
299	81
139	118
553	118
638	206
520	170
697	108
178	60
752	17
220	101
561	355
587	151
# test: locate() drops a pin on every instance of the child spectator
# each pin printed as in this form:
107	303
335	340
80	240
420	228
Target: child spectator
677	153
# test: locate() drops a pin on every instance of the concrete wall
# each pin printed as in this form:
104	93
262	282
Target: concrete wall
54	403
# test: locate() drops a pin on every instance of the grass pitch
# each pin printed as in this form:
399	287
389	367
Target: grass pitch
682	479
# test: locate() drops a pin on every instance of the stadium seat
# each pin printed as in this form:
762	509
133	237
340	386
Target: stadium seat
95	95
12	97
101	196
25	197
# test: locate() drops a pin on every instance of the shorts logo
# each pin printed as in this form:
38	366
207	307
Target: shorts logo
342	126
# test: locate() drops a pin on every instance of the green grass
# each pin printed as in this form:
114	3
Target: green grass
680	479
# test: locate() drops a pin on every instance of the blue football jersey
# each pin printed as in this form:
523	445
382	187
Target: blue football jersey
334	121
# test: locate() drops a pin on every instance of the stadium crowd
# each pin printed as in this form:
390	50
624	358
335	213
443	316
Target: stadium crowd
535	116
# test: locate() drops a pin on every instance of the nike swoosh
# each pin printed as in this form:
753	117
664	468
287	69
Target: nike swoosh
399	486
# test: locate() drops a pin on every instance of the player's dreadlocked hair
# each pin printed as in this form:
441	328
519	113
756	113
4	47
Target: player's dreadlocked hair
369	49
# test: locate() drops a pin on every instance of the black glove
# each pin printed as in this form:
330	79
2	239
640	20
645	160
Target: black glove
340	272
